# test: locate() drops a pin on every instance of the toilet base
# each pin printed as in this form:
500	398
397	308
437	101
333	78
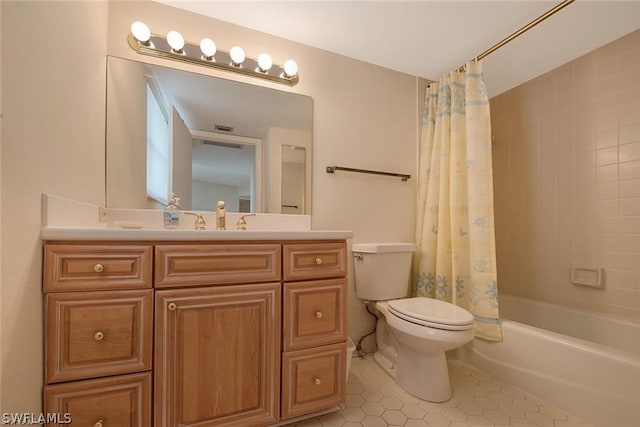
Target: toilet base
387	365
425	376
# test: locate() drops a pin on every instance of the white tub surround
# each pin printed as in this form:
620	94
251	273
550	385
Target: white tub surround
606	331
65	219
596	381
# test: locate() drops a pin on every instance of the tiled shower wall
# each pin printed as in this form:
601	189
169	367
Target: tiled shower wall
566	159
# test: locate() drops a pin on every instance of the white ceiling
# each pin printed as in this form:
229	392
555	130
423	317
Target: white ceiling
430	38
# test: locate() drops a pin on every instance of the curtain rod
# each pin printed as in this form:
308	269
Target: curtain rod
521	31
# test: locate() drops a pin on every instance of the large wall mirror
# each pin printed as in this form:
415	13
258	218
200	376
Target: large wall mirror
204	139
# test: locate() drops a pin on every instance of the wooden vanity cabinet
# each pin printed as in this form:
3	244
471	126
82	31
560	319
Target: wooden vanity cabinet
314	327
218	320
241	334
98	340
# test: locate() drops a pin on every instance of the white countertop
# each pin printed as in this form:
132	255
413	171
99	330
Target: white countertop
94	233
67	219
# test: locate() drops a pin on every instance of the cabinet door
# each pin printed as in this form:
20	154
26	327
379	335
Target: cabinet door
314	313
120	401
94	334
108	267
307	261
217	356
216	264
313	379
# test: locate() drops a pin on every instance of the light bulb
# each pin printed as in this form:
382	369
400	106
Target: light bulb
208	48
237	55
264	62
141	32
290	68
175	40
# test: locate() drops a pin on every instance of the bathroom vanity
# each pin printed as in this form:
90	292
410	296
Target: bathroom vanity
219	328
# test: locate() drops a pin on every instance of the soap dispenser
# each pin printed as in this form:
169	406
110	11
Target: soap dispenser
172	213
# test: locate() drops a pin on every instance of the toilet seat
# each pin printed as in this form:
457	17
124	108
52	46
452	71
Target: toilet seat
432	313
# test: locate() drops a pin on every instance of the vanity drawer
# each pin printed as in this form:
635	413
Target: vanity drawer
216	264
306	261
121	401
96	267
314	313
93	334
313	379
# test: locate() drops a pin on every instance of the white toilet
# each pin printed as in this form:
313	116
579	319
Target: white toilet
412	333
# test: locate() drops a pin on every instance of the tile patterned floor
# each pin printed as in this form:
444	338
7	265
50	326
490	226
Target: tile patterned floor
375	400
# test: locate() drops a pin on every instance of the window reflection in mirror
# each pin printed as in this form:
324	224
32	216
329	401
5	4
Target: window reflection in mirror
158	148
200	157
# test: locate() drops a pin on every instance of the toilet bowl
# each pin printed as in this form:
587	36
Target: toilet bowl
413	334
422	340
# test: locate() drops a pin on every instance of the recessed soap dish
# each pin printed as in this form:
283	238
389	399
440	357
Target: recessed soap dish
593	277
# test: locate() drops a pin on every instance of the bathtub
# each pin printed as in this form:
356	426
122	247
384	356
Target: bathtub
585	364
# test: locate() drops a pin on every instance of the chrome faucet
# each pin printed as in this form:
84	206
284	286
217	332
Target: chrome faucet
221	215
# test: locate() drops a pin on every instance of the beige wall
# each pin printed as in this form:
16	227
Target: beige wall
1	120
567	181
53	141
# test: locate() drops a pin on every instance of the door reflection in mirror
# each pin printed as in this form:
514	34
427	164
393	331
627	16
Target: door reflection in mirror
293	179
224	169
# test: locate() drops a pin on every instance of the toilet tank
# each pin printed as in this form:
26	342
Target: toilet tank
382	270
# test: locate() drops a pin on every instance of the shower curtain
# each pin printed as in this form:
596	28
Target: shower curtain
455	258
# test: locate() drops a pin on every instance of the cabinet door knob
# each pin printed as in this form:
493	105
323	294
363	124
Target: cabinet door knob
172	306
98	336
319	315
317	381
98	424
98	268
318	261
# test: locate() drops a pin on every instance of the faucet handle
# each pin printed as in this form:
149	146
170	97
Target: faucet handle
242	223
200	223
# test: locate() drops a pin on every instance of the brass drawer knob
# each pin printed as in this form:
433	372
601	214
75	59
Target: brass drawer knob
98	268
172	306
319	315
99	336
318	261
317	381
98	424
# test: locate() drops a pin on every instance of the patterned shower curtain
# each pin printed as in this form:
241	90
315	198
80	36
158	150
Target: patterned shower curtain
455	260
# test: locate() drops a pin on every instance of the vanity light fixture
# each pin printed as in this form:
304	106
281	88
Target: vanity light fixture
176	41
290	68
237	56
174	47
141	33
264	63
208	48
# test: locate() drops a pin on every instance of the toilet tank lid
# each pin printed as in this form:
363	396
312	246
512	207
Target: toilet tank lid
383	247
